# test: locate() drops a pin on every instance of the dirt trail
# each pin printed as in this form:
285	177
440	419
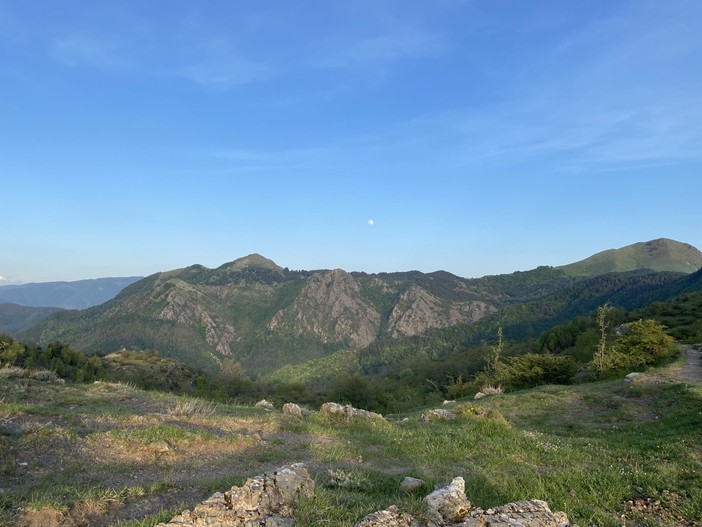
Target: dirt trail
692	370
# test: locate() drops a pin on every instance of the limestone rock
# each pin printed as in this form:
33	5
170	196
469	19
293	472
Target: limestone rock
388	518
448	507
409	484
448	504
264	404
532	513
437	414
265	500
292	409
348	412
479	395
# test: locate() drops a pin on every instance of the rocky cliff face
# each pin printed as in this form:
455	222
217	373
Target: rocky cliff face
186	305
330	307
418	310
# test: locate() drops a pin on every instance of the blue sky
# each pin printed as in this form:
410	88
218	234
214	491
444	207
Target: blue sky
480	137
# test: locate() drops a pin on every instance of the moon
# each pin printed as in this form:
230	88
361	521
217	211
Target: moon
370	222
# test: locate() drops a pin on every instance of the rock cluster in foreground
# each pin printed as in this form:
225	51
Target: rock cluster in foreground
268	501
265	500
448	507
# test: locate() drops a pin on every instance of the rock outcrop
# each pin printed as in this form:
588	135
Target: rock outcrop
265	500
331	308
418	310
269	500
348	412
449	507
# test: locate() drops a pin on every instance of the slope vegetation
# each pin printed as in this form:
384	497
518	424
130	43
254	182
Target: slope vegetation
658	255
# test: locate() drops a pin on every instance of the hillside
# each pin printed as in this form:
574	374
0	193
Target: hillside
262	315
658	255
67	295
15	318
265	317
104	454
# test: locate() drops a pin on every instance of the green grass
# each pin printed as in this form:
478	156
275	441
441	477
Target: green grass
586	449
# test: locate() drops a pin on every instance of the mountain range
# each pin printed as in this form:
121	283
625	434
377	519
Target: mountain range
80	294
265	317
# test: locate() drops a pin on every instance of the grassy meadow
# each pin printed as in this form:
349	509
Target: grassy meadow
608	453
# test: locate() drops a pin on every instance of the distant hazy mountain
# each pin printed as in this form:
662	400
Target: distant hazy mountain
15	318
253	311
658	255
68	295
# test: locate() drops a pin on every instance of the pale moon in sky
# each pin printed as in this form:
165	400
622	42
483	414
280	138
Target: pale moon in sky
370	222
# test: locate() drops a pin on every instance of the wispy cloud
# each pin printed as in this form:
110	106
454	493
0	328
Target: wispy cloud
8	281
87	51
209	62
398	44
392	43
224	71
216	62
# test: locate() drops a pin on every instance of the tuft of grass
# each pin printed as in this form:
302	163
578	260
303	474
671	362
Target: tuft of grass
187	407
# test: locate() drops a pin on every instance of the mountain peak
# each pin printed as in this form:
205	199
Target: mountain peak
253	260
661	254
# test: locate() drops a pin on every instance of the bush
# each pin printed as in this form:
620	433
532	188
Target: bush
529	370
645	342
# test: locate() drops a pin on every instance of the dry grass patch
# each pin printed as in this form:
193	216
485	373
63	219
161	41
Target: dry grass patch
188	407
43	517
161	443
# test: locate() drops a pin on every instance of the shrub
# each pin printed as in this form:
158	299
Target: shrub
645	342
529	370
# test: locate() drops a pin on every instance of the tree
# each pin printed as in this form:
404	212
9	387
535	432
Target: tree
599	359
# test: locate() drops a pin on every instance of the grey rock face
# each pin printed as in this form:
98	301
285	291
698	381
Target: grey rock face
418	310
265	500
331	308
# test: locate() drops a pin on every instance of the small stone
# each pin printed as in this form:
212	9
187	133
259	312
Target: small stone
409	484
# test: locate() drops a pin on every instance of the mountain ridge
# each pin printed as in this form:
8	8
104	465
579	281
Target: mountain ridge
263	316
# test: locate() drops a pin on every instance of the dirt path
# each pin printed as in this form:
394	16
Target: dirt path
692	370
